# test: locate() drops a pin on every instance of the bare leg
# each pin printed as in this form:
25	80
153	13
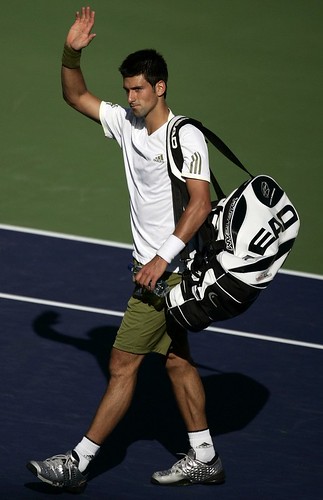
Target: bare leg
190	396
118	396
188	390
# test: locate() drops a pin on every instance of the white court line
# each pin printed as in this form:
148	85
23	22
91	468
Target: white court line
116	244
64	305
108	312
65	236
256	336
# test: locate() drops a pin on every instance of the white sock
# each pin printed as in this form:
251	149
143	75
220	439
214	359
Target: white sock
86	451
202	444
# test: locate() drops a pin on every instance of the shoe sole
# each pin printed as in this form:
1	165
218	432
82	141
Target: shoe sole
220	479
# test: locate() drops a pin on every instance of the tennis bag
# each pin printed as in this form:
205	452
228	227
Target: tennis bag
245	240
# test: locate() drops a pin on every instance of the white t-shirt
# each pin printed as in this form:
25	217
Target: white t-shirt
149	185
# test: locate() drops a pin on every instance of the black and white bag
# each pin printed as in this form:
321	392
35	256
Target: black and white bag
246	238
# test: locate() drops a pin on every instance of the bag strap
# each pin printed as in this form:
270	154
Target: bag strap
173	131
219	144
175	155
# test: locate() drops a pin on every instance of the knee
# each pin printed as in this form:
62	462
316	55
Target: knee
177	365
123	364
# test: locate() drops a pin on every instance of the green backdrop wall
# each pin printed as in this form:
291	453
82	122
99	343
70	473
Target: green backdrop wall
250	70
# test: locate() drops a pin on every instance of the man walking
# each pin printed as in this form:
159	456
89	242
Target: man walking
140	130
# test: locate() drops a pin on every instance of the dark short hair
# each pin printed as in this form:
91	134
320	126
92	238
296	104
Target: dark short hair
147	62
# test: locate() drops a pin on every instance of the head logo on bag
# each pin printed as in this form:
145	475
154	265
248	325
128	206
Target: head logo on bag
247	237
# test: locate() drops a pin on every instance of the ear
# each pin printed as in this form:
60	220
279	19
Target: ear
160	88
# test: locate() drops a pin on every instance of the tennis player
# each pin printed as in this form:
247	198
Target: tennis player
140	131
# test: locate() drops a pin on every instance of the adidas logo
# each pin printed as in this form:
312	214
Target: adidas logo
159	158
204	445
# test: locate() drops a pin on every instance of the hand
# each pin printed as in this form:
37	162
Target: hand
151	272
79	36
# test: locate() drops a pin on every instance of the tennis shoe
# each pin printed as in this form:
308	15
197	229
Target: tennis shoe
60	471
189	470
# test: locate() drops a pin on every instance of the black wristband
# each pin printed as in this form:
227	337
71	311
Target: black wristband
71	58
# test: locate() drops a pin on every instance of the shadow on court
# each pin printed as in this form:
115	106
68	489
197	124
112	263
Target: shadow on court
233	399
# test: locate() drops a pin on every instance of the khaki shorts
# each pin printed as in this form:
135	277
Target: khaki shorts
143	329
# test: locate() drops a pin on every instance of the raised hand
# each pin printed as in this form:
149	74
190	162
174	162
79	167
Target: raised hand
79	36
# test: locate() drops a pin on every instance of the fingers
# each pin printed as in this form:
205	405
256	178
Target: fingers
87	14
150	273
144	278
86	17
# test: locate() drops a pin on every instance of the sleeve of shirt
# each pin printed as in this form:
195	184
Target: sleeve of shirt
195	153
112	117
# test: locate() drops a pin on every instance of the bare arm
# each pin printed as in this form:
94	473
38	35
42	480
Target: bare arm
74	88
198	208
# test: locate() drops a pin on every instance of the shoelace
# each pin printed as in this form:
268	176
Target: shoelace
57	459
183	463
60	460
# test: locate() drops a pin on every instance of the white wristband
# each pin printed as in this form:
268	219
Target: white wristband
170	248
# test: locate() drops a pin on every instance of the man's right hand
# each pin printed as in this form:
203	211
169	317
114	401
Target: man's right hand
74	88
79	36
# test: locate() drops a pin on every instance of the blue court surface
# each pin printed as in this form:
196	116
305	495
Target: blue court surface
62	300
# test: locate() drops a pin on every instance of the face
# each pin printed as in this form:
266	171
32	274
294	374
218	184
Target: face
142	97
